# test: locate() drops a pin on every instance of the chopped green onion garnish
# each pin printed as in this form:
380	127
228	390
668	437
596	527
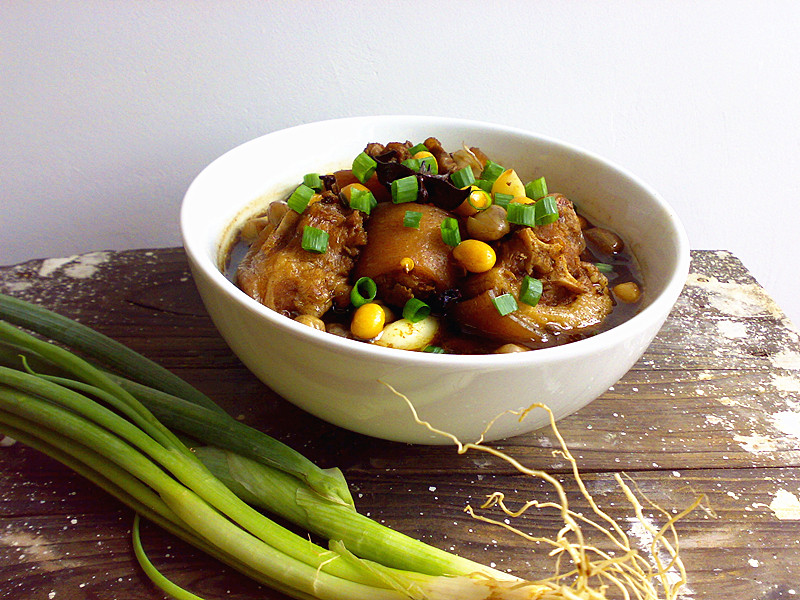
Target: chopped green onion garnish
450	232
536	189
300	197
463	177
412	163
503	199
363	167
546	210
491	171
521	214
415	310
417	148
363	291
405	189
485	185
412	219
604	267
505	304
433	349
362	200
428	164
531	290
314	240
313	181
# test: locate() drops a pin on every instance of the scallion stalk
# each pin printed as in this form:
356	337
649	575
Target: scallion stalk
451	235
300	197
405	189
364	167
314	239
463	177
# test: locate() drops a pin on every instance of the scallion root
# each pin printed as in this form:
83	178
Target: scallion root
594	574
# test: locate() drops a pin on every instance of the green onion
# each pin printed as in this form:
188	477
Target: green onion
536	189
415	310
203	496
491	171
314	239
363	167
604	267
405	189
417	148
412	163
531	290
364	291
546	210
521	214
313	181
485	185
450	232
362	200
504	304
412	219
101	347
429	164
298	201
503	199
433	349
463	177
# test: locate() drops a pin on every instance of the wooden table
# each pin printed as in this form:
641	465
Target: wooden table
712	408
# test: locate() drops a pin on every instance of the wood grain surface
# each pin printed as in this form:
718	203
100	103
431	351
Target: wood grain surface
712	408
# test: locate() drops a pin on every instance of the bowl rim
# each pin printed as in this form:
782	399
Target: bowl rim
655	311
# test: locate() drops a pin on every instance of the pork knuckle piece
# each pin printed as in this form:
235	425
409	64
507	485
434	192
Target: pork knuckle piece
280	274
390	242
575	297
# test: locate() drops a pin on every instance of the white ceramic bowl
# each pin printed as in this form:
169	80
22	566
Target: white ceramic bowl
339	380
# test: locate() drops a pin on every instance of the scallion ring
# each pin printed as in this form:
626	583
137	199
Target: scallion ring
314	240
531	290
450	232
363	291
415	310
505	304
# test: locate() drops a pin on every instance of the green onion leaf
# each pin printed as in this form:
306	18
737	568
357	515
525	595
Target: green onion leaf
485	185
363	167
463	177
314	240
531	290
417	148
412	163
412	219
503	199
604	267
521	214
313	181
491	171
428	164
450	232
415	310
505	304
546	210
363	291
536	189
300	197
362	200
433	349
405	189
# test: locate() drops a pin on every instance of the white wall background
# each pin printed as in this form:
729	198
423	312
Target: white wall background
109	109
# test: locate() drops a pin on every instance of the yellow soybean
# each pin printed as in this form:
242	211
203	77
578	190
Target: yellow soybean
368	321
475	256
